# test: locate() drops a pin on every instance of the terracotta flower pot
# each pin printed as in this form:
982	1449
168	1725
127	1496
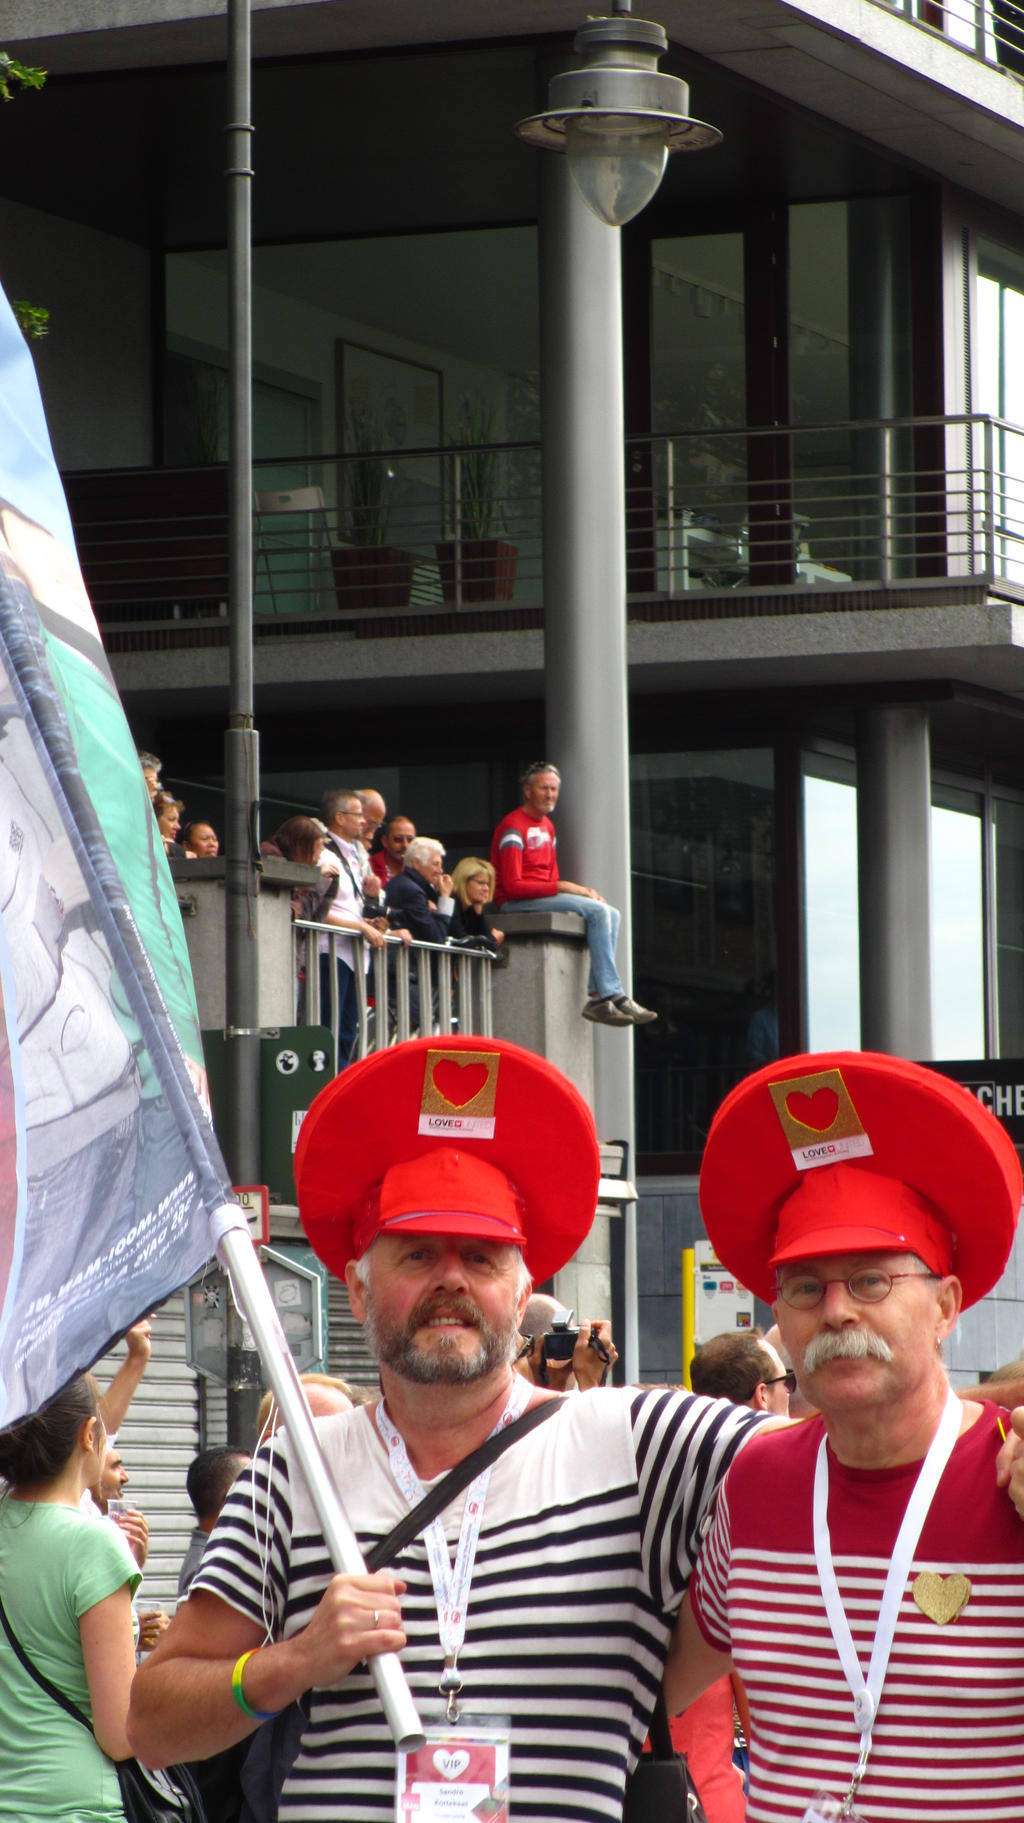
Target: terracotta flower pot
488	569
372	576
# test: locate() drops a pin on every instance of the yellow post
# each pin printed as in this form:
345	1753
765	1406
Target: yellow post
688	1313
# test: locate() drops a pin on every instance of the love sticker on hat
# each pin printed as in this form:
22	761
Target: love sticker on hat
461	1136
459	1092
858	1152
819	1119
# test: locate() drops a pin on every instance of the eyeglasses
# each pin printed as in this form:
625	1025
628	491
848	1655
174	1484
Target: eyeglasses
789	1377
868	1286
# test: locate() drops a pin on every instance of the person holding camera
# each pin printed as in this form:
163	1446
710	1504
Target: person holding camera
560	1355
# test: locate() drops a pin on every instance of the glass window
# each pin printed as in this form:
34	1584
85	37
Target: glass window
831	935
849	361
999	392
1008	818
831	932
399	344
698	381
958	955
703	933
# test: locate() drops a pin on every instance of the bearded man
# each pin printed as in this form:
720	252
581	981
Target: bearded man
440	1177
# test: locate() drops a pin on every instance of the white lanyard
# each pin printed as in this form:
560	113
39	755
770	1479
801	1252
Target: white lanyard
451	1581
867	1692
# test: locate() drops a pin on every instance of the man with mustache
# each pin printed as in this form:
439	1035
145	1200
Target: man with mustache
441	1177
865	1581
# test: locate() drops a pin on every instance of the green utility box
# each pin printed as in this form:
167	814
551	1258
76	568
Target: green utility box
296	1062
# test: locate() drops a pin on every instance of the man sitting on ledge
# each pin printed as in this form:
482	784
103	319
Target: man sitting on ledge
524	860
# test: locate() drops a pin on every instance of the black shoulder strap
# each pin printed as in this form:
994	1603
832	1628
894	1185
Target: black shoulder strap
457	1478
660	1733
44	1683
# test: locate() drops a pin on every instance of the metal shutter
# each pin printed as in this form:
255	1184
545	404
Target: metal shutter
158	1440
347	1353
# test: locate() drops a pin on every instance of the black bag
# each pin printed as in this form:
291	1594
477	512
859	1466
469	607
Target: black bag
168	1796
660	1788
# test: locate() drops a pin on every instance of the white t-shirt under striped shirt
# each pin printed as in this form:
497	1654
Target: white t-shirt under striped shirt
589	1536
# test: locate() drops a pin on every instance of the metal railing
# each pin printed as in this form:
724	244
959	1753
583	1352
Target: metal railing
410	989
989	29
866	502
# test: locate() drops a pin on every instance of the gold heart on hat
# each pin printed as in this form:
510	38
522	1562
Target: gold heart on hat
941	1598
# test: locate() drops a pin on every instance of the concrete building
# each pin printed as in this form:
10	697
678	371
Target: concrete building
823	326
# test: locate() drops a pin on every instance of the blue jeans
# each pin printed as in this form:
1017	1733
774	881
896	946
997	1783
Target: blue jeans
602	922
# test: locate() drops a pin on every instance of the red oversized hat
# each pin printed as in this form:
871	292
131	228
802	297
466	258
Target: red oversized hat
854	1151
449	1136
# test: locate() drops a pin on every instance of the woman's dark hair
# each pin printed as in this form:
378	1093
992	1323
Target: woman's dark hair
39	1447
297	839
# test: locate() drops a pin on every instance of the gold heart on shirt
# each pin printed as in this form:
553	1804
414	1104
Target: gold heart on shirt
942	1598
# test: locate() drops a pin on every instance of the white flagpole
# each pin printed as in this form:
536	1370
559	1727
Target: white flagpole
236	1254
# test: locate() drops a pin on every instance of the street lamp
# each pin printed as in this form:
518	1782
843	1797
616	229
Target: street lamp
618	116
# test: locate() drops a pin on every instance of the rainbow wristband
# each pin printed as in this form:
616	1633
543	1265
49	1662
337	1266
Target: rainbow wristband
256	1715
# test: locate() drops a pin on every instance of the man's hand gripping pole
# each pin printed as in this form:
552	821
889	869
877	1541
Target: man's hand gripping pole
230	1233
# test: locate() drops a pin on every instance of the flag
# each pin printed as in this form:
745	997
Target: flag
108	1162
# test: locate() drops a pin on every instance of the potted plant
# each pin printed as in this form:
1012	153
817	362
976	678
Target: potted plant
475	563
369	572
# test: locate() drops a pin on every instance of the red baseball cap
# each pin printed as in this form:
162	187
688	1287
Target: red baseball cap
460	1135
856	1151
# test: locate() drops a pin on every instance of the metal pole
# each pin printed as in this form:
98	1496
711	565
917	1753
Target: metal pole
237	1256
584	495
241	751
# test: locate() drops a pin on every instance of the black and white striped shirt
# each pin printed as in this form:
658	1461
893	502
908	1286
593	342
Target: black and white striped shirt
589	1536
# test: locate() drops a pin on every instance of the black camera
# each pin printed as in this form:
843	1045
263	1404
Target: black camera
561	1338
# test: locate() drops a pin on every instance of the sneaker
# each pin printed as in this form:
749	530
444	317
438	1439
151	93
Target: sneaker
633	1011
606	1012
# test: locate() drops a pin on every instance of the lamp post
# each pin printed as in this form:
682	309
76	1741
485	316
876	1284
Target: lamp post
617	118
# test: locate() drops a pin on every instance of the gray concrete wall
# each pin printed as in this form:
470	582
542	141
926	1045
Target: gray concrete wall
94	366
200	887
538	999
585	1285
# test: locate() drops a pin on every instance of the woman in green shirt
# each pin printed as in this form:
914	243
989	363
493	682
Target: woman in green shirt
67	1583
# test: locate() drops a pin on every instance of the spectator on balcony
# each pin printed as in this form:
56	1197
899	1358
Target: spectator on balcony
419	899
374	812
343	814
394	837
524	859
301	839
151	769
167	809
473	890
201	841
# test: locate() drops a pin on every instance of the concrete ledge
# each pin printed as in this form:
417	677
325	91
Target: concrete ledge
517	925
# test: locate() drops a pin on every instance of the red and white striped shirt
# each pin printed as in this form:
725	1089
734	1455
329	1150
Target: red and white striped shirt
948	1740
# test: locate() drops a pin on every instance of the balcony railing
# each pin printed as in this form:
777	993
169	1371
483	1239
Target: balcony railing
990	29
412	989
871	503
